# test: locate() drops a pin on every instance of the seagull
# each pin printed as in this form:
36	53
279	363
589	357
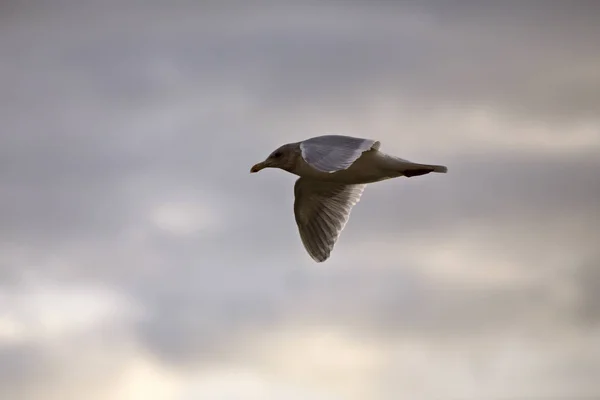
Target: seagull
333	171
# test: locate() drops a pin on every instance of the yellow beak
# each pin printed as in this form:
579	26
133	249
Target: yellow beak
257	167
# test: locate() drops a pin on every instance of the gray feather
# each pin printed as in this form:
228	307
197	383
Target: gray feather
331	153
322	210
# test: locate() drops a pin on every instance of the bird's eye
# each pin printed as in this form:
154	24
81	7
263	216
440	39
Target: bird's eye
277	154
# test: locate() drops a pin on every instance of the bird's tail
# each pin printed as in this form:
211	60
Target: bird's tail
422	169
442	169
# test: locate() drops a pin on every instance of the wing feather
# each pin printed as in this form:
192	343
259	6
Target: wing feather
332	153
322	210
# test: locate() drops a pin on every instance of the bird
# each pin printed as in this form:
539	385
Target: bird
333	172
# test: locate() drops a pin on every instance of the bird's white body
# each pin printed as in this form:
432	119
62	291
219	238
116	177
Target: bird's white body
372	166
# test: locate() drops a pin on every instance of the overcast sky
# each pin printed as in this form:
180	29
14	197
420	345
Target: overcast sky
139	259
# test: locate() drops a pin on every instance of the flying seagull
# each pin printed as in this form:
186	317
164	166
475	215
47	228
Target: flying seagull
333	171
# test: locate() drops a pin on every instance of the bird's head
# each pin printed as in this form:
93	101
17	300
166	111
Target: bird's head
284	158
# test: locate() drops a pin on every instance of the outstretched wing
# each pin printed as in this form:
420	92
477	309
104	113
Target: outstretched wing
322	209
332	153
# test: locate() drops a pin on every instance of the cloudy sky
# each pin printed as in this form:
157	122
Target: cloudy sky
139	259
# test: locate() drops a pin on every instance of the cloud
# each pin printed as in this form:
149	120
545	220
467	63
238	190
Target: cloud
62	338
162	268
41	310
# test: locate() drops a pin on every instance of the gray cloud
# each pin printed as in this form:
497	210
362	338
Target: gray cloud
111	112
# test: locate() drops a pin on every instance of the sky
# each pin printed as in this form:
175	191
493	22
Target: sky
140	260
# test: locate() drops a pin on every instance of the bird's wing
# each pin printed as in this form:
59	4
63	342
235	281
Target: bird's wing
322	209
332	153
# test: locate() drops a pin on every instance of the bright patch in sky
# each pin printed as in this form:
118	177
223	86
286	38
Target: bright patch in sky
41	310
180	218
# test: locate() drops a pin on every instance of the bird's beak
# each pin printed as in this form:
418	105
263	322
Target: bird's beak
258	167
